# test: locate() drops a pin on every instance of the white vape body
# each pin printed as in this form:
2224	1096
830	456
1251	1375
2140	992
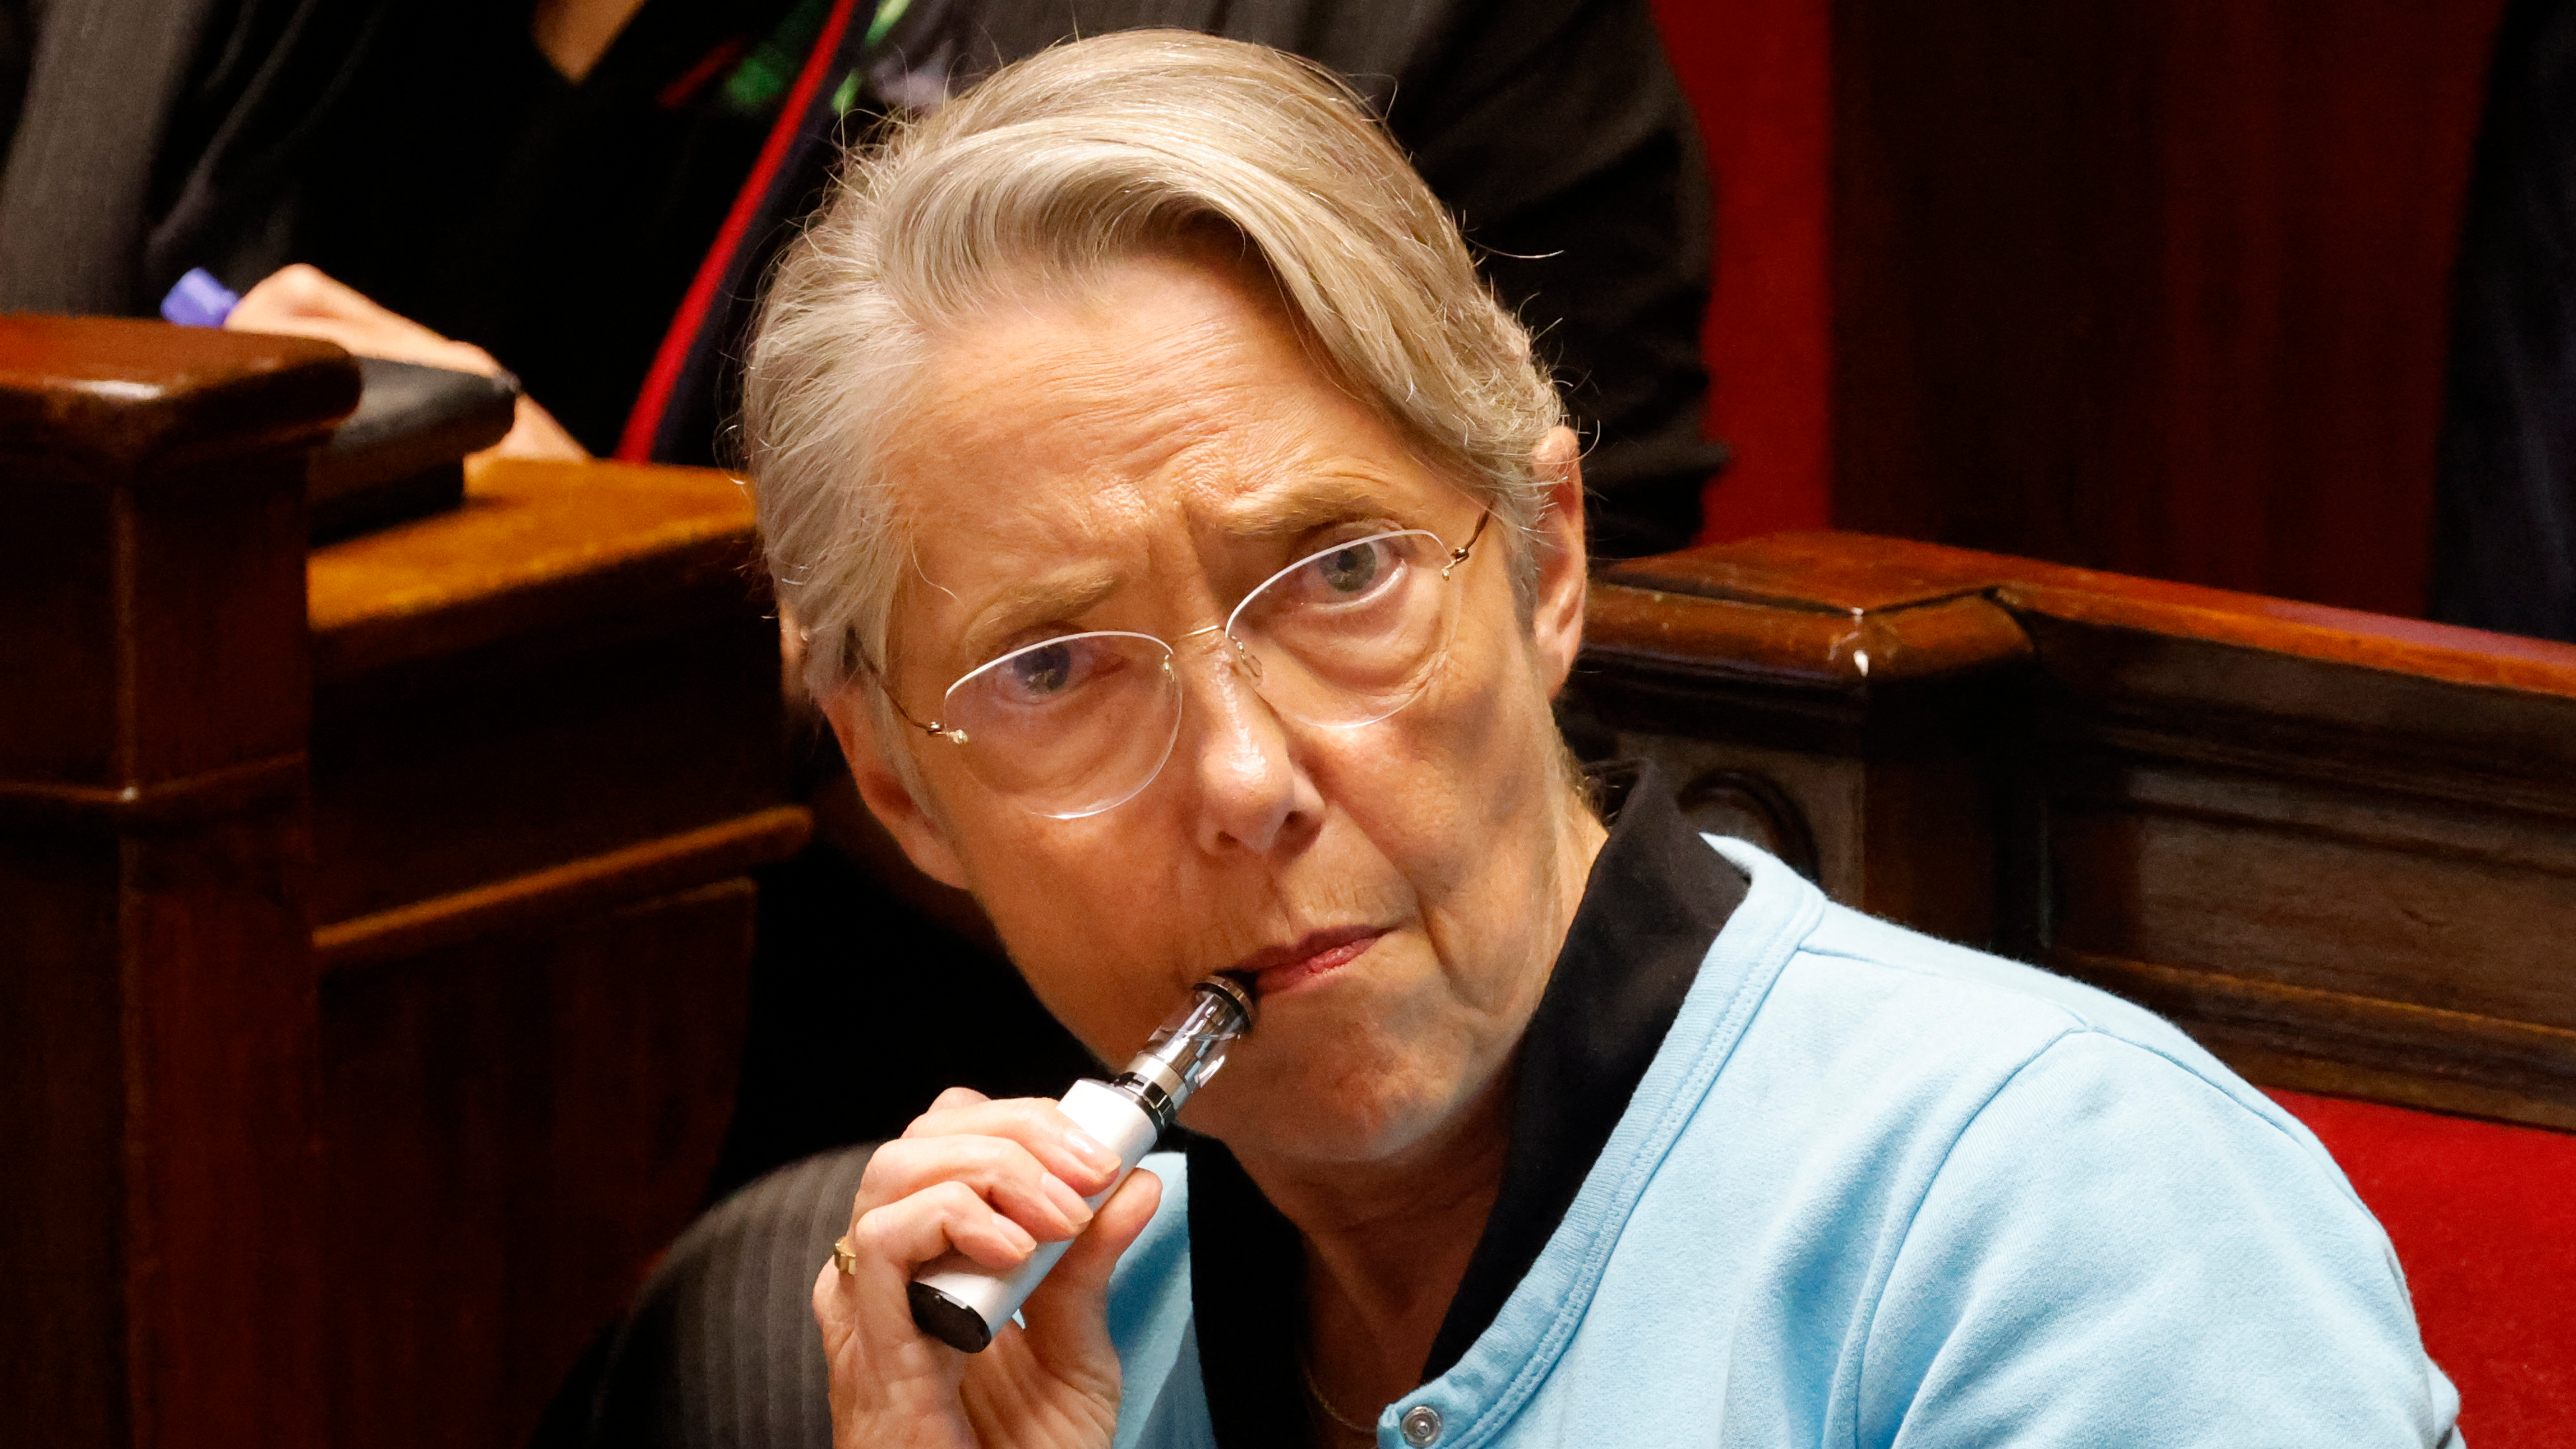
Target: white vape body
1105	1112
965	1307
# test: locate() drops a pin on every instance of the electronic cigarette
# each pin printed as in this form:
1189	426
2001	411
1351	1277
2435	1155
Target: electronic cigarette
965	1307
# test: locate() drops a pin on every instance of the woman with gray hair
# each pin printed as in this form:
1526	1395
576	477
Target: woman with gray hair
1186	550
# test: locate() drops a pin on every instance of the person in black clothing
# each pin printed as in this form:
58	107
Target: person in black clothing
2504	544
545	178
536	177
1553	128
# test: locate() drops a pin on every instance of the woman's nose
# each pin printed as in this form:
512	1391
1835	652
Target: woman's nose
1253	791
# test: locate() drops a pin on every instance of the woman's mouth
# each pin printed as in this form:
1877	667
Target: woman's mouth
1311	957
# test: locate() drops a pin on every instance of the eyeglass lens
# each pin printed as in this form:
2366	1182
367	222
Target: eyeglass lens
1343	637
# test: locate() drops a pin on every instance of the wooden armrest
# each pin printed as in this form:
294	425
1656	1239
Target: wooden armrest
581	651
2339	847
376	920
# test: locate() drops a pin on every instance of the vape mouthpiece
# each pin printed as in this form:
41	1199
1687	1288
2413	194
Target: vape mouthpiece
966	1306
1188	1048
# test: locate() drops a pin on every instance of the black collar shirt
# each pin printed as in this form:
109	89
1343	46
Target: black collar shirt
1656	899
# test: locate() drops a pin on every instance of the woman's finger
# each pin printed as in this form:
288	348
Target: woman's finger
1006	1174
881	1363
303	301
1036	1124
898	1237
881	1367
1068	1314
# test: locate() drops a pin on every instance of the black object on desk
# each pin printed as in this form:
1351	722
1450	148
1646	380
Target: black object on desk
401	455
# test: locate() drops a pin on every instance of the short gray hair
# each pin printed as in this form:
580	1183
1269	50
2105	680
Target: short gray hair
1055	168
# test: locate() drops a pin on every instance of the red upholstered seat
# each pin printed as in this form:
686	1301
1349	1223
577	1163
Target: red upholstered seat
2484	1219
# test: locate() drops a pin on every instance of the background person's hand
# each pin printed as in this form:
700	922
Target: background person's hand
304	301
988	1181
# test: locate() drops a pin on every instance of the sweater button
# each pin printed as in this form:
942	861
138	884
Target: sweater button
1421	1425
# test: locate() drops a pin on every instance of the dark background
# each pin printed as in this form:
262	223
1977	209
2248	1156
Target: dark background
2159	286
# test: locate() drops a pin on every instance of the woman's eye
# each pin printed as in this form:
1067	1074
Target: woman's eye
1352	570
1040	672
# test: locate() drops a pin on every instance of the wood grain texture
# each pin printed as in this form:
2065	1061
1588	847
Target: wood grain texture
2355	1046
444	774
1865	698
153	804
547	748
62	1121
568	891
1849	650
93	396
515	762
516	1125
576	662
1838	572
220	1212
163	470
2339	846
160	1017
537	545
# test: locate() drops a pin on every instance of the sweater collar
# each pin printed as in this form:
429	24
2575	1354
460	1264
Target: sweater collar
1657	896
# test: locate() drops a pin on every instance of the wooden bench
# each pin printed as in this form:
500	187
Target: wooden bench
2339	848
374	922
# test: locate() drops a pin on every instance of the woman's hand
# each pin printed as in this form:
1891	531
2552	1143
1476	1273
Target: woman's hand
989	1181
303	301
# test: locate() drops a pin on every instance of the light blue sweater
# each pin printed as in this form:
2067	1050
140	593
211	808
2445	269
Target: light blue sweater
1881	1190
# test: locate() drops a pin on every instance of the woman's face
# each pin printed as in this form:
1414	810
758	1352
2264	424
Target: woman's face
1139	458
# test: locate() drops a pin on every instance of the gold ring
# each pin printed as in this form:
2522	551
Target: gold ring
842	1257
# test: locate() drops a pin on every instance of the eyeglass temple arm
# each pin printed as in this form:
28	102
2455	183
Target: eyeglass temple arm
934	728
1459	554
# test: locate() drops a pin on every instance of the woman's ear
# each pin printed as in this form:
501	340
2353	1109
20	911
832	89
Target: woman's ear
887	797
1556	624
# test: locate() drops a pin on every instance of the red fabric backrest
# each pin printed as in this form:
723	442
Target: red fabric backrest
1759	74
2484	1219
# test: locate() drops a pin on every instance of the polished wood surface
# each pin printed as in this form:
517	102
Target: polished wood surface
2340	848
547	750
537	545
157	1007
1887	578
518	1125
79	393
573	632
377	919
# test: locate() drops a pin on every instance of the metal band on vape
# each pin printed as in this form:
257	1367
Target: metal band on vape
1156	1088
